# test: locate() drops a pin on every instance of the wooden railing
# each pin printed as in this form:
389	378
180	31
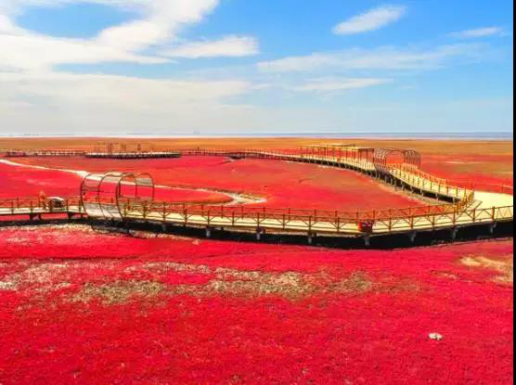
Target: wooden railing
420	180
499	188
383	221
321	221
266	212
407	173
42	153
36	205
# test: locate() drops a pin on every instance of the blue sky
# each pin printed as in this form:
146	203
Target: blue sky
255	66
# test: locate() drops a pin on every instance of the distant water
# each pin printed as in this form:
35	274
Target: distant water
497	136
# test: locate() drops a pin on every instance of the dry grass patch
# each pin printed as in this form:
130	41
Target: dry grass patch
503	266
44	279
292	286
41	276
118	292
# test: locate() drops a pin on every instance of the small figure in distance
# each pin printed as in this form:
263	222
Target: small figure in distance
43	201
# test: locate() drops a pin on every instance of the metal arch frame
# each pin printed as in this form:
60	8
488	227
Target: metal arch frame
135	178
381	155
83	191
118	177
139	180
97	190
412	158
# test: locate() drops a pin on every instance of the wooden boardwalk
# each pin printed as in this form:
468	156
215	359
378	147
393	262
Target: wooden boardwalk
468	208
101	155
42	154
318	223
465	208
37	208
133	155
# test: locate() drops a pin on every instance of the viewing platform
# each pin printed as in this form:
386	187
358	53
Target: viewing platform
133	155
43	154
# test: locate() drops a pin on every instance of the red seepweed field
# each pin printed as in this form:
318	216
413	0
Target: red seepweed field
80	305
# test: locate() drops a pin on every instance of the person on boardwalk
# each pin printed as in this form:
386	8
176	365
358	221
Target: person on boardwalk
43	200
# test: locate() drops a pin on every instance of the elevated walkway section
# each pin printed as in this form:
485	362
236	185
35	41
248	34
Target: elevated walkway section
465	208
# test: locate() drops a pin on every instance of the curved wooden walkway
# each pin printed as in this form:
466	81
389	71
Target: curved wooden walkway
465	208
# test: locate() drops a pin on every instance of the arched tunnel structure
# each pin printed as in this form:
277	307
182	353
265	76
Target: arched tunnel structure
105	195
386	158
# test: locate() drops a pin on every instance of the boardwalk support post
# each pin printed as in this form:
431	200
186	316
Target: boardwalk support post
493	227
367	240
454	233
311	238
208	232
125	226
413	236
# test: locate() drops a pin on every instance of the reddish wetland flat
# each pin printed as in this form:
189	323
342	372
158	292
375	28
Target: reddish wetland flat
83	306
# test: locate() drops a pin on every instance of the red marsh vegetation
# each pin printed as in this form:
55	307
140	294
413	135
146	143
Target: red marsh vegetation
83	306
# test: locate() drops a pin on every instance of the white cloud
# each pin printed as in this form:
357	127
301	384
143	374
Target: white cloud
479	32
311	62
160	23
337	85
119	91
6	26
386	58
230	46
31	52
107	103
164	19
371	20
